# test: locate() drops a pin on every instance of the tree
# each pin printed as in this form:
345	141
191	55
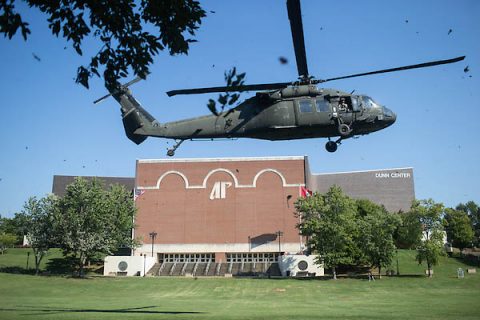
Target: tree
459	230
129	33
328	221
409	232
40	234
16	226
91	220
7	240
473	212
6	225
376	228
430	248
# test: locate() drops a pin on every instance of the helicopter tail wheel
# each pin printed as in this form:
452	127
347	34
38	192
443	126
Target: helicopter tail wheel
331	146
171	152
344	129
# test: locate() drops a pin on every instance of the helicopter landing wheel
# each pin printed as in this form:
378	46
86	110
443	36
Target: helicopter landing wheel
344	129
331	146
171	152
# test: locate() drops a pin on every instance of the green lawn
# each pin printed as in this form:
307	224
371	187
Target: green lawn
407	297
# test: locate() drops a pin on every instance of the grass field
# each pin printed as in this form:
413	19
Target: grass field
24	296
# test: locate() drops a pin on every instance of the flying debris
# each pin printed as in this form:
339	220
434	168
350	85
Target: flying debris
283	60
36	57
466	69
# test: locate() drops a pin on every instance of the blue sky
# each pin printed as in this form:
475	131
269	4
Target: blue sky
50	126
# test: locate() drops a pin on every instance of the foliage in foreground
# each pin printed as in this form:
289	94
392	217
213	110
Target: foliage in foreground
7	240
344	231
128	34
430	248
90	220
40	234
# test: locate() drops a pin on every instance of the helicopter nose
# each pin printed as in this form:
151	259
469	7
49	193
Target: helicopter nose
389	116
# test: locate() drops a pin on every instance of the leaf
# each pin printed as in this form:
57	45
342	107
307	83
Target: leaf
233	99
222	99
211	106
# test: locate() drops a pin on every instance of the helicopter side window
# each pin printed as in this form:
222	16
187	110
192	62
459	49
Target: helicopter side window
322	105
305	106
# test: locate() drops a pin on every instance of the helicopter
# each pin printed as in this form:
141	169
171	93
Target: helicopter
278	111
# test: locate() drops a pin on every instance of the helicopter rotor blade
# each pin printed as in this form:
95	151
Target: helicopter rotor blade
102	98
415	66
126	85
296	25
248	87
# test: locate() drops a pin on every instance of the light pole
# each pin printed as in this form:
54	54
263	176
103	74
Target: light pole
144	262
153	235
279	234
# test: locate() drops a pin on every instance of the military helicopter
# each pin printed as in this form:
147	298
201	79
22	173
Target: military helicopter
278	111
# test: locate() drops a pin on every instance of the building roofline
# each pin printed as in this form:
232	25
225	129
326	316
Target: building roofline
360	171
91	177
233	159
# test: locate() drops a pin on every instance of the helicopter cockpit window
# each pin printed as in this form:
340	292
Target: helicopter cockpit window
368	103
322	105
305	105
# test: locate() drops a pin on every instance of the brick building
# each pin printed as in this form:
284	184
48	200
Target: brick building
241	209
233	215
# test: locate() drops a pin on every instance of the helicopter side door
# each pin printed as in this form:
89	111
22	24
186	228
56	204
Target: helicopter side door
313	112
347	112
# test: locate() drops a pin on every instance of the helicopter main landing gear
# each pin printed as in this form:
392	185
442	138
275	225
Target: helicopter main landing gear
171	152
332	146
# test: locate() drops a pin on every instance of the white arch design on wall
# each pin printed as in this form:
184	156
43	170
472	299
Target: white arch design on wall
284	182
205	180
159	181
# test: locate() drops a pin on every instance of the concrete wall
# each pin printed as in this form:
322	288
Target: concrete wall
135	265
394	188
290	263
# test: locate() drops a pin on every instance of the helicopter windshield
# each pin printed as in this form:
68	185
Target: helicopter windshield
368	103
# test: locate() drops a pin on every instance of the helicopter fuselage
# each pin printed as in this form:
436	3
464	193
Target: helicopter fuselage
292	113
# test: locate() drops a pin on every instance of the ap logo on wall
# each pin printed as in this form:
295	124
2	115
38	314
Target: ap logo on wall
219	190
